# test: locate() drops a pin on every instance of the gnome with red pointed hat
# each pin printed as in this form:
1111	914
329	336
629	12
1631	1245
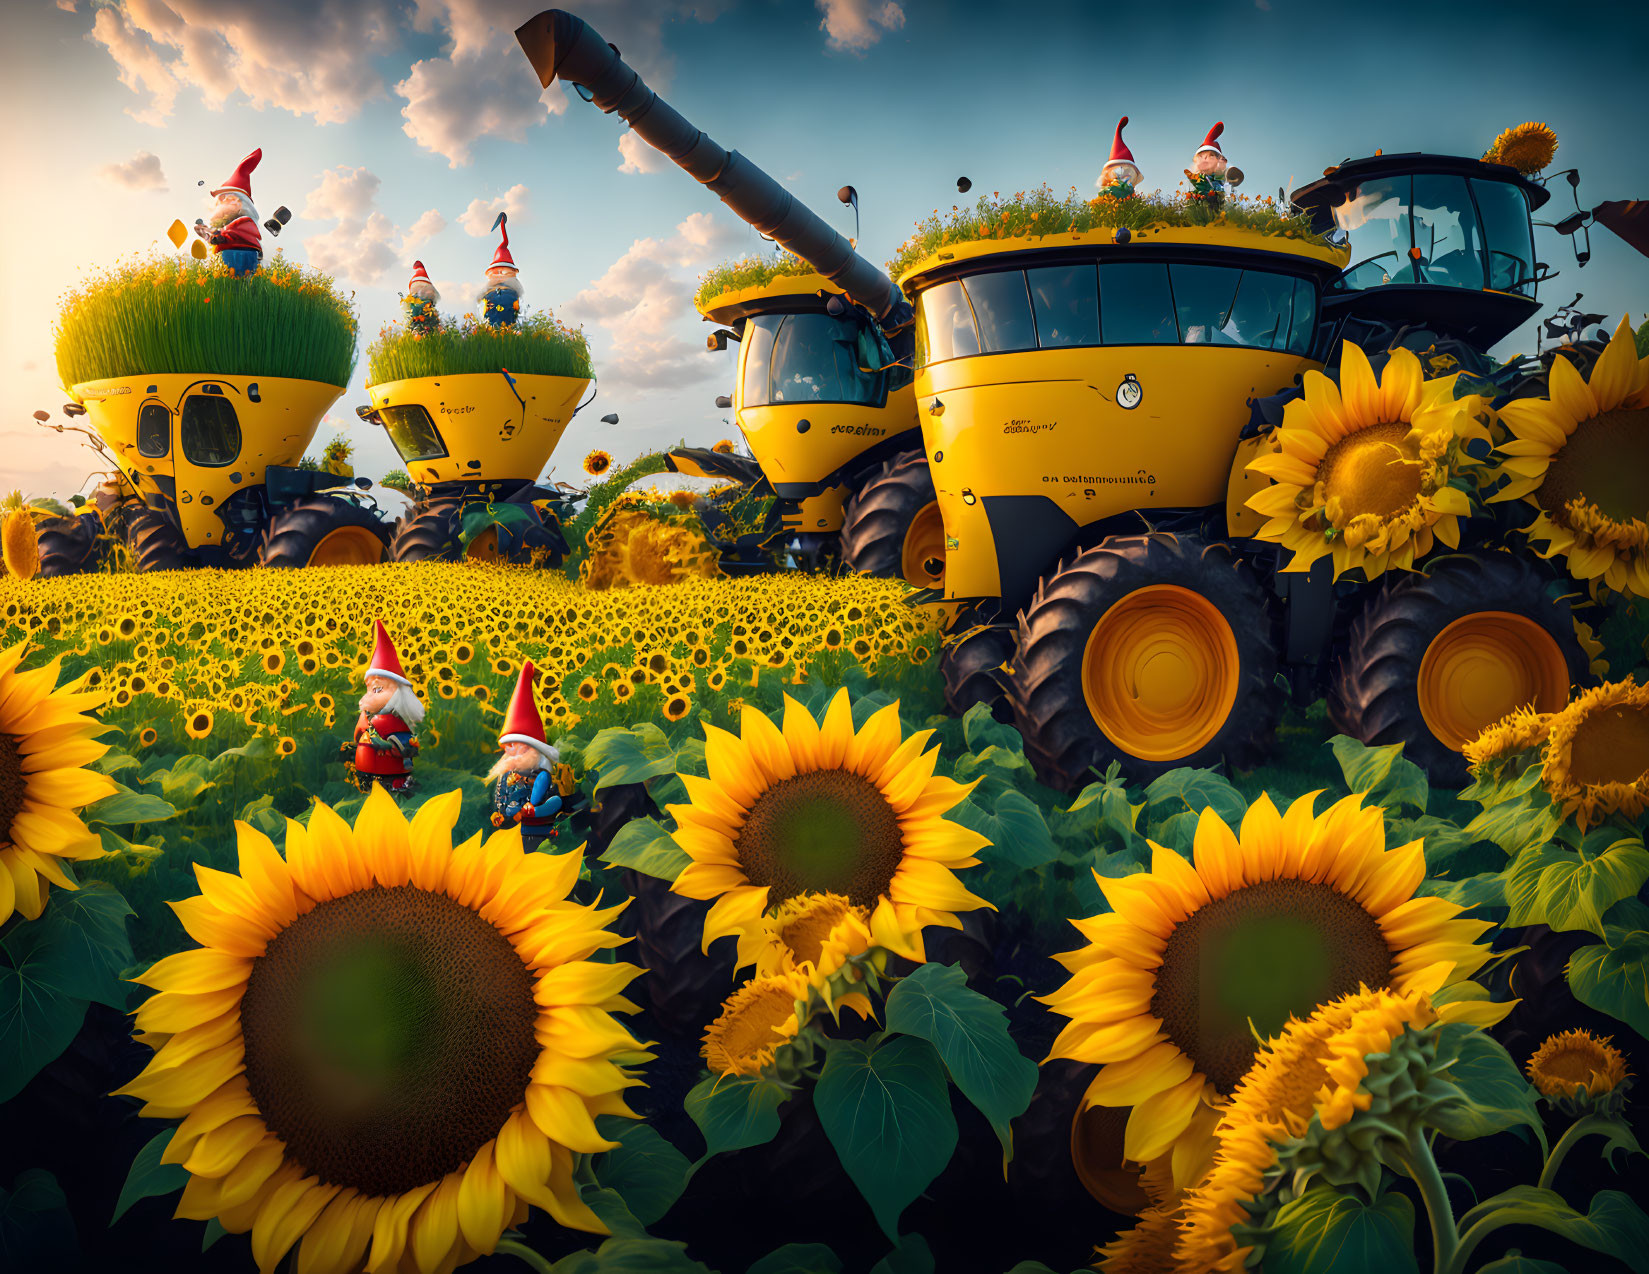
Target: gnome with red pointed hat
420	302
1209	173
1120	174
501	293
524	779
232	229
384	742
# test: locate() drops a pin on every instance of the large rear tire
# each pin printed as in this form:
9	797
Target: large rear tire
434	532
1156	651
154	542
974	667
1436	658
323	530
71	546
892	527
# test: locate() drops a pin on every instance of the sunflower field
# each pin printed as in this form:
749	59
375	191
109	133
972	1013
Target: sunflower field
806	976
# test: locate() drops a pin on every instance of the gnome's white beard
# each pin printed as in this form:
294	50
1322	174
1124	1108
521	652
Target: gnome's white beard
403	703
509	281
506	764
222	215
424	292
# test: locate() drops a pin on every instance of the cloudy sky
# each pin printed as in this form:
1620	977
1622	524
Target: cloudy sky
396	129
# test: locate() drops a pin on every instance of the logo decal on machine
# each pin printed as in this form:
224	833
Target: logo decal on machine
1130	393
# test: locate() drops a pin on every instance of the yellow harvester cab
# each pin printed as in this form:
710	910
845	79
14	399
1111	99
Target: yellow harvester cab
473	440
214	459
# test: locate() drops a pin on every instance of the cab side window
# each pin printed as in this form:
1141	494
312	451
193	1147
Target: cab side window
210	430
154	431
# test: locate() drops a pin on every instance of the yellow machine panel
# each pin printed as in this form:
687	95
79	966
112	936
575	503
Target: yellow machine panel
1240	520
189	441
476	426
807	441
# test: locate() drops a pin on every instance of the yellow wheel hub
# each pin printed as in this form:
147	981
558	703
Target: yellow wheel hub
1160	672
923	558
484	547
348	546
1484	666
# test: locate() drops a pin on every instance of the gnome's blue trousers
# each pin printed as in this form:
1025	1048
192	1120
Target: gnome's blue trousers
241	261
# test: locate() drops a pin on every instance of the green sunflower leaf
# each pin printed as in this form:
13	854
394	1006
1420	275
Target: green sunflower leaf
613	1212
1448	846
1324	1230
631	754
214	1231
644	846
886	1110
980	729
1191	791
185	783
1014	825
1384	773
148	1176
734	1112
36	1230
1516	1263
635	1254
1516	825
87	929
127	806
1613	1223
911	1256
1498	1097
1565	890
1100	813
970	1032
646	1170
1486	890
798	1258
1612	976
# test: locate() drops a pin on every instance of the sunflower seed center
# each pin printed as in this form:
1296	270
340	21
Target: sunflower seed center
1243	964
13	786
1611	746
1372	471
1605	463
389	1034
828	831
1573	1066
734	1041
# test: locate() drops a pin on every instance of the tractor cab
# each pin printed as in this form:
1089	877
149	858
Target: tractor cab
1442	241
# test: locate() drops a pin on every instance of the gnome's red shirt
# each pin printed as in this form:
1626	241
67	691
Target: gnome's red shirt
242	233
368	760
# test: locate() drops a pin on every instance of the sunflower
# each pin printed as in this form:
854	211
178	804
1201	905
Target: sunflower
756	1021
1580	1071
1312	1068
19	544
820	932
1597	753
199	724
1527	148
45	740
386	1047
1581	457
1193	960
1148	1248
1596	664
1523	730
1362	468
820	808
597	463
724	447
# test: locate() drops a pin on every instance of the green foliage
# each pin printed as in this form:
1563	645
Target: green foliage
1041	212
1613	976
642	845
1324	1230
174	314
631	755
1565	889
632	1255
149	1177
601	494
36	1229
798	1258
910	1255
734	1112
1383	773
648	1173
537	345
1613	1224
747	272
1497	1096
396	480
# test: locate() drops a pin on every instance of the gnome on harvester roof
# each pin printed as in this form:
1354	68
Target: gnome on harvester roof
384	742
420	301
1120	174
524	778
1209	173
501	295
232	229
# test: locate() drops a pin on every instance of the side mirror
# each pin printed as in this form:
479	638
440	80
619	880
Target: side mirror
367	414
723	401
718	339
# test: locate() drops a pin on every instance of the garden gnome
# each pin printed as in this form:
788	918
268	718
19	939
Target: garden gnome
384	741
524	788
1120	174
420	301
501	294
1207	173
232	229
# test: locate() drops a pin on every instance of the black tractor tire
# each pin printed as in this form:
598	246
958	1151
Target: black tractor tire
155	543
428	532
294	533
973	667
1374	692
880	515
71	546
684	987
1063	741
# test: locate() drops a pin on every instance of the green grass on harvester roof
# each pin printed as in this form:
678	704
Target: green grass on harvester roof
748	272
160	314
537	345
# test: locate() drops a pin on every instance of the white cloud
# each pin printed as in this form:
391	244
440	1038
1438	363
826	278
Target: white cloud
429	224
365	243
344	192
478	217
140	172
855	25
639	157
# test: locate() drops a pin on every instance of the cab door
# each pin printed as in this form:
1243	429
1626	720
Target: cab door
151	460
207	449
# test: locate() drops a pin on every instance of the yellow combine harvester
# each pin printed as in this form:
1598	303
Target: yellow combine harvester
1090	403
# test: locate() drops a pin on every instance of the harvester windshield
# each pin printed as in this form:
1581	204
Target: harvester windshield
412	433
1439	228
808	358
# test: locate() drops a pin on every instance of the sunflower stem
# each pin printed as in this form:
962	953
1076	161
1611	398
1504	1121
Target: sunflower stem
1578	1130
522	1252
1423	1171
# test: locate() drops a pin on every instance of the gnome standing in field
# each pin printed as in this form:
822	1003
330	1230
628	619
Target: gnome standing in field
1120	174
384	742
501	292
232	229
1209	173
524	787
420	302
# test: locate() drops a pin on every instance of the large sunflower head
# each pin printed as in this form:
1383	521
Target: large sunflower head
45	740
1581	457
1597	753
386	1046
1580	1072
1313	1067
1517	735
1194	959
1362	468
1527	148
1147	1248
818	807
756	1022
